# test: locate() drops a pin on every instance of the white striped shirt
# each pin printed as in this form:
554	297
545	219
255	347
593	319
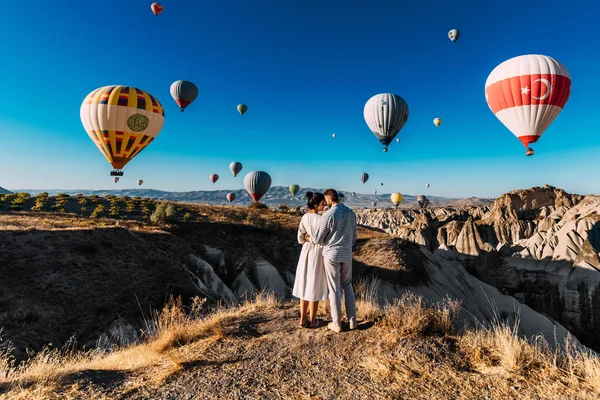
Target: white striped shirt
337	233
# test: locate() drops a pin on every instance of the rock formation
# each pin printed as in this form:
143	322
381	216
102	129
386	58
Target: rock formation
539	245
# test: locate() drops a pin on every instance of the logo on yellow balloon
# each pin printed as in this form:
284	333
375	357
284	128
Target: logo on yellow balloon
138	123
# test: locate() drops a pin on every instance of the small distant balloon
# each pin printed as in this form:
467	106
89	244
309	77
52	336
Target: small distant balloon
235	167
156	8
374	191
294	189
257	183
230	197
364	177
242	108
437	121
140	182
116	179
453	35
334	135
213	178
397	140
353	194
184	93
396	198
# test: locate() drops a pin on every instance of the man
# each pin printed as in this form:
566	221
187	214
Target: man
337	233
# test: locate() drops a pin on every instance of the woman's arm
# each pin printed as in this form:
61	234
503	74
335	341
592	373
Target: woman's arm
301	232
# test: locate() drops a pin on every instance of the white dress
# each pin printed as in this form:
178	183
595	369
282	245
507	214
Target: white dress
310	283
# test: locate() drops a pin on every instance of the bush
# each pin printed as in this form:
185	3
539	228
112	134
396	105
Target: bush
284	207
97	211
186	217
130	206
114	211
257	205
164	214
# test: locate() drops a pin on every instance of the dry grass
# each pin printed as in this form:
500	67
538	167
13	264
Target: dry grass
405	349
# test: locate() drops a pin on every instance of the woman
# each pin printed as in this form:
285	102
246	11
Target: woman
310	284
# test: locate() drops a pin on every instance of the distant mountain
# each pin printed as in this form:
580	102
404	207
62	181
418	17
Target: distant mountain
275	196
4	191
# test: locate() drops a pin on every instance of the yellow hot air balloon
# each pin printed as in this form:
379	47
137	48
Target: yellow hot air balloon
396	198
437	121
121	121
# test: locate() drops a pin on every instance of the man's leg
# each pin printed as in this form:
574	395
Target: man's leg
332	272
346	283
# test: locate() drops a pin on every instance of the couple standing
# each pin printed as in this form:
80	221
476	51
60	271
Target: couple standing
325	264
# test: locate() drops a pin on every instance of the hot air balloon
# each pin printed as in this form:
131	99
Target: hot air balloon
353	194
242	108
140	182
526	93
381	183
396	198
453	35
423	201
156	8
374	204
116	179
374	191
427	185
364	177
341	197
257	183
397	140
386	114
294	189
230	197
235	167
213	178
334	135
121	121
437	121
184	93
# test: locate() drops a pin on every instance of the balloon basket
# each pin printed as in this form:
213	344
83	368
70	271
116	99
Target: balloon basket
116	173
529	152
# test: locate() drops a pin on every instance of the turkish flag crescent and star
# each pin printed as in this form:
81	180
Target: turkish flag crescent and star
526	90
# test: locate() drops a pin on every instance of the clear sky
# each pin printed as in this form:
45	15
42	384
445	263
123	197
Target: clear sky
305	69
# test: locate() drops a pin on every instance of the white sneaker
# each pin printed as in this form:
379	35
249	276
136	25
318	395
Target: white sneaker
352	323
334	327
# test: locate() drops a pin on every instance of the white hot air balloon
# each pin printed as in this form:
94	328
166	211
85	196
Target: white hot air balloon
386	114
334	135
526	93
453	35
427	185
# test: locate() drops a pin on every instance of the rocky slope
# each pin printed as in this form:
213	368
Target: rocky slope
97	279
540	245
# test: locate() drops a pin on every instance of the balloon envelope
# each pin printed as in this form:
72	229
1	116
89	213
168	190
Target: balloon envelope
396	198
121	121
386	114
140	182
526	93
156	8
116	179
242	108
257	183
437	121
184	93
213	178
364	177
453	35
294	189
230	197
235	167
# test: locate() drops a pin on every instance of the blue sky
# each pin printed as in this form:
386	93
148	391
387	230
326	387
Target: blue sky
305	70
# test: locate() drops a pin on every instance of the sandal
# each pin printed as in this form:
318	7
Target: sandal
305	324
319	322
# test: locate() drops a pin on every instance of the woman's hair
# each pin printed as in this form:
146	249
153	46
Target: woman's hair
313	200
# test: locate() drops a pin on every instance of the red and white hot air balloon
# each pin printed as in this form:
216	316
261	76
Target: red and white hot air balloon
214	178
156	8
526	93
116	179
140	182
230	197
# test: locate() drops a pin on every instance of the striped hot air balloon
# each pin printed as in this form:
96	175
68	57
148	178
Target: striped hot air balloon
386	114
235	167
121	121
364	177
526	93
184	93
213	178
257	183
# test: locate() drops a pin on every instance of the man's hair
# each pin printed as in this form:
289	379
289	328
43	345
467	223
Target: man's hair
333	194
